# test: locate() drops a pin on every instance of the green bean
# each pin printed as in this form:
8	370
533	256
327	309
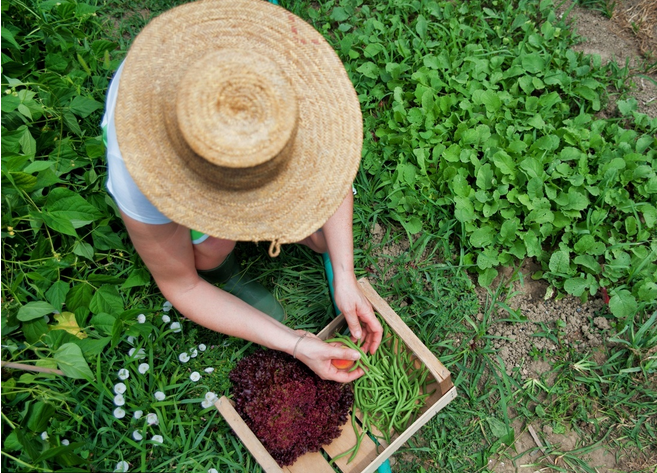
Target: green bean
391	391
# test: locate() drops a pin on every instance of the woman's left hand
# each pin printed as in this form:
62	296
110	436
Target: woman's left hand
358	313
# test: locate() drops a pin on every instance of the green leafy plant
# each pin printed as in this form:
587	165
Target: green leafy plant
487	112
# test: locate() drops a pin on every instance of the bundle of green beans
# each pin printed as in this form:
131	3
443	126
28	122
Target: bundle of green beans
390	393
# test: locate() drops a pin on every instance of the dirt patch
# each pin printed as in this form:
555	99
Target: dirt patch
628	37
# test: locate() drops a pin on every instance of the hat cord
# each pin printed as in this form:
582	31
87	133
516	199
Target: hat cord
275	248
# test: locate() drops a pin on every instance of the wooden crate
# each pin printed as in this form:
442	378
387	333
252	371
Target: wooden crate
370	455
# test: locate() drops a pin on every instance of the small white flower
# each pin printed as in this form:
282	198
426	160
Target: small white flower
137	436
213	470
138	414
121	467
209	370
194	353
210	396
46	319
119	388
160	396
183	357
195	376
166	319
131	340
119	400
141	318
44	435
205	403
143	368
65	442
166	307
151	419
158	439
202	347
124	374
175	326
119	413
140	354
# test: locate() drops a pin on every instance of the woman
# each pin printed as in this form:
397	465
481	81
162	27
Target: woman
236	119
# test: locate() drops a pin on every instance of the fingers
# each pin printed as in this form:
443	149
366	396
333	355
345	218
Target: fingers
345	376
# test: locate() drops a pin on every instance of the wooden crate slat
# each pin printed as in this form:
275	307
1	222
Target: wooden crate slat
251	442
310	462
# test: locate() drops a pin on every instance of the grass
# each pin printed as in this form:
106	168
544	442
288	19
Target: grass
51	142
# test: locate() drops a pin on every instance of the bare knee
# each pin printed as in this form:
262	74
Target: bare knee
212	252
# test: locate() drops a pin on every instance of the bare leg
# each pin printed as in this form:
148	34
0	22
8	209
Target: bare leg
316	242
212	252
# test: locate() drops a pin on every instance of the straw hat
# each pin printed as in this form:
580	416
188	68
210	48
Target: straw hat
237	119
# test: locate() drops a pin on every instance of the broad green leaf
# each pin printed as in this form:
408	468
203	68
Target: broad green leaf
369	69
497	427
625	107
107	299
560	262
485	176
65	204
56	295
421	27
536	121
533	63
532	243
464	210
491	100
103	322
39	416
649	215
60	224
138	277
483	237
105	238
8	36
588	262
504	163
489	258
339	14
83	106
647	291
91	346
84	250
575	286
34	330
486	277
79	296
34	310
413	225
622	303
509	229
70	360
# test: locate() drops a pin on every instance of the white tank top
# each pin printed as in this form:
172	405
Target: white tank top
120	185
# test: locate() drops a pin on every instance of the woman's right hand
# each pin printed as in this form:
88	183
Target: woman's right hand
317	355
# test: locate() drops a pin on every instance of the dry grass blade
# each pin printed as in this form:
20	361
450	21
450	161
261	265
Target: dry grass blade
640	19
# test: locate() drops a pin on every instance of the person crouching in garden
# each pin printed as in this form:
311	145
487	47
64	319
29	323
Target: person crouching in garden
236	121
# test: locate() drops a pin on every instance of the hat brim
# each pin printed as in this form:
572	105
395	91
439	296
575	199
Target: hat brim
326	151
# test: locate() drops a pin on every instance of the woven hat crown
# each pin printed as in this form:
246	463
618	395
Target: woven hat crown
236	116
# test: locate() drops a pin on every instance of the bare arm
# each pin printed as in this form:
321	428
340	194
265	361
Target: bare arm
168	253
338	232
